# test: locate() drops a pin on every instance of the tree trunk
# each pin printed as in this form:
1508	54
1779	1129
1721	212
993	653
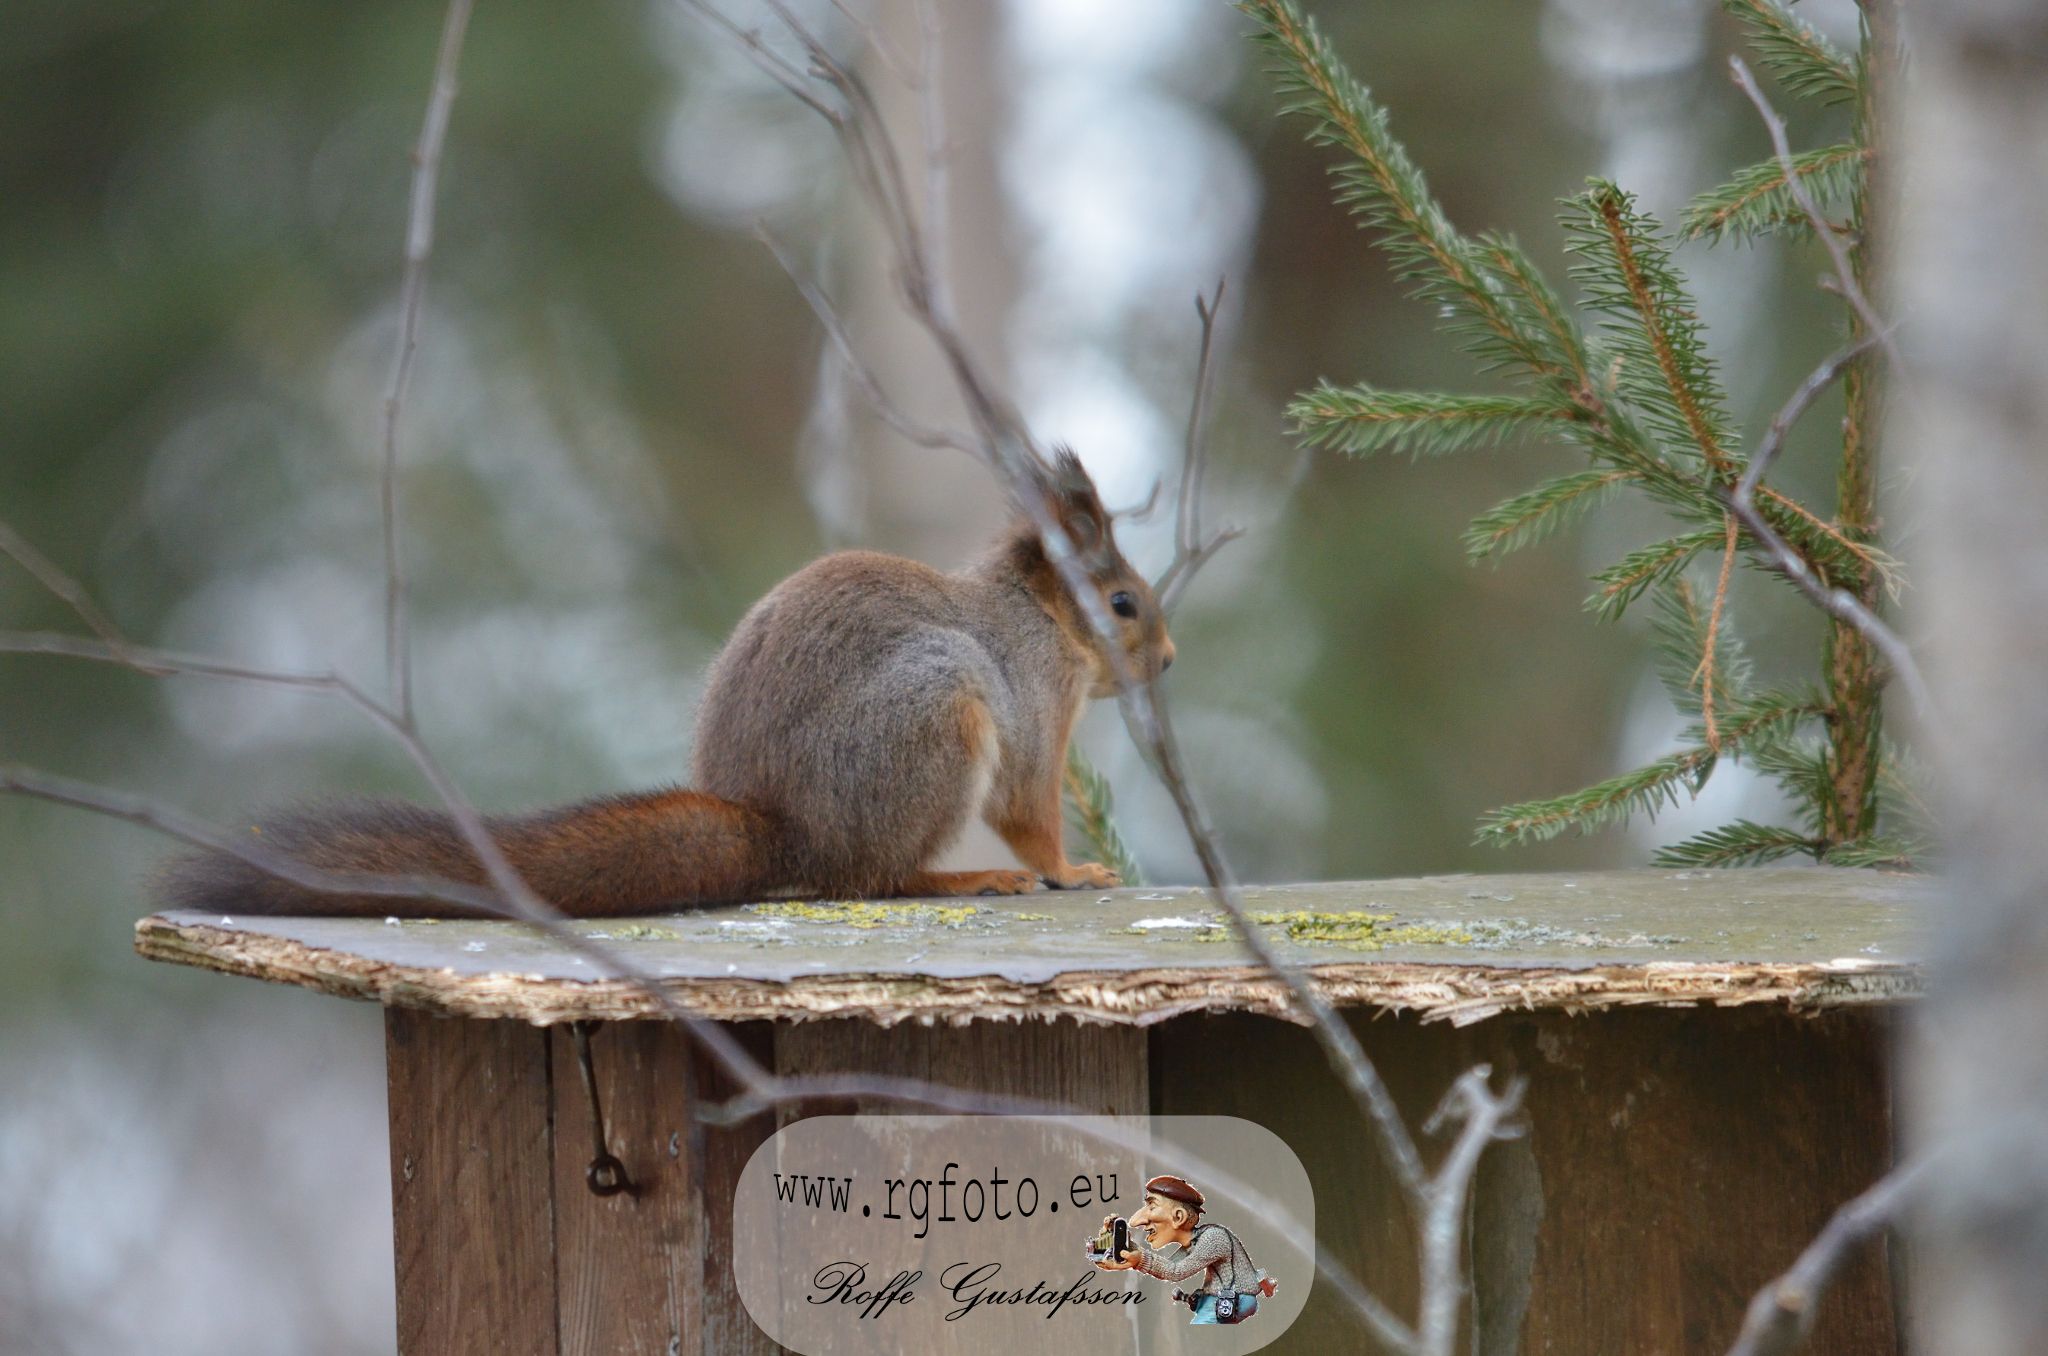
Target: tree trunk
1970	277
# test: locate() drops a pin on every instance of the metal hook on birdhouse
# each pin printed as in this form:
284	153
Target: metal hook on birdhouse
606	1175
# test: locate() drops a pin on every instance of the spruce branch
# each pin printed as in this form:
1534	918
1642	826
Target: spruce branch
1091	814
1382	186
1645	790
1628	275
1759	201
1742	843
1753	727
1361	420
1804	62
1530	517
1640	571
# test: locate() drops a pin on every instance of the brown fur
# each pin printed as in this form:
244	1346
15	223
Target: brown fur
861	714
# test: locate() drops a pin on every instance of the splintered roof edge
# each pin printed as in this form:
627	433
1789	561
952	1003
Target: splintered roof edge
1446	948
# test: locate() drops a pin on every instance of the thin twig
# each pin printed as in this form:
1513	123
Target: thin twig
66	589
1830	238
938	158
1190	550
1837	602
1783	1312
1188	521
419	247
1801	399
1705	672
771	63
884	405
1483	1116
150	814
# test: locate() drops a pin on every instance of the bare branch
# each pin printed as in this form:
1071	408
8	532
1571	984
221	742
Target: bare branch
1783	1312
1188	522
884	405
1839	603
938	158
148	813
1190	550
419	247
1830	238
1483	1116
770	62
1175	586
66	589
1808	391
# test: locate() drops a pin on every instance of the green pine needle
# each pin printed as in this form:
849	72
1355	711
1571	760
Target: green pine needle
1528	518
1893	852
1805	62
1757	202
1743	843
1800	769
1645	790
1660	367
1746	730
1362	420
1639	571
1381	186
1091	814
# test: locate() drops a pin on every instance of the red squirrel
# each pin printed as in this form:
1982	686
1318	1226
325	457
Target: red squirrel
860	714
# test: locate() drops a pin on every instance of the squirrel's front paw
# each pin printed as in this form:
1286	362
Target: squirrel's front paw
1085	876
1007	883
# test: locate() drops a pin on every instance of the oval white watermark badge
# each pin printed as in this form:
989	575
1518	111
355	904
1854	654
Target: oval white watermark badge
940	1234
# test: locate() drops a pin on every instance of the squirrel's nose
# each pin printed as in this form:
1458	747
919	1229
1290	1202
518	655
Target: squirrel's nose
1166	659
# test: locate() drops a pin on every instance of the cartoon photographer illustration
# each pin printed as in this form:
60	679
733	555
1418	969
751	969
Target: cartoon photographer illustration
1172	1244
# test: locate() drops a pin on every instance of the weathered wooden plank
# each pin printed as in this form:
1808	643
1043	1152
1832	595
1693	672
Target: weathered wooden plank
1675	1161
1460	948
728	1331
1686	1158
628	1263
471	1186
1097	1069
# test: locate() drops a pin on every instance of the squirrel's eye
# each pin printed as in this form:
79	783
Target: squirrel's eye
1123	604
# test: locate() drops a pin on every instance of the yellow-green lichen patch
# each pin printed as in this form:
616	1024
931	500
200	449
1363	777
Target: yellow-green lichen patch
644	932
861	913
1361	930
1034	917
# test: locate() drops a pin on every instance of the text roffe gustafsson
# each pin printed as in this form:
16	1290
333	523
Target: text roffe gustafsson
918	1203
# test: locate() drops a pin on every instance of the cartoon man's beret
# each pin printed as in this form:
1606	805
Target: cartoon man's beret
1174	1189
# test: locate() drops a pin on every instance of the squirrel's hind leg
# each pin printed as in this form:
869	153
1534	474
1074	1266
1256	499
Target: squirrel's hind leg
972	774
952	883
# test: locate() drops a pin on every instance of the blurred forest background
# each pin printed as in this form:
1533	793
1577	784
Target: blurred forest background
625	428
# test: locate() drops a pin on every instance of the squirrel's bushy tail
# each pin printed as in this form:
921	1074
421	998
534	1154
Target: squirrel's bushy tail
613	855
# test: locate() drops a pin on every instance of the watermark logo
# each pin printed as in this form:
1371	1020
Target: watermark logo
939	1234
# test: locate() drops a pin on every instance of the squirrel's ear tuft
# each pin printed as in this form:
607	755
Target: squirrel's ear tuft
1076	502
